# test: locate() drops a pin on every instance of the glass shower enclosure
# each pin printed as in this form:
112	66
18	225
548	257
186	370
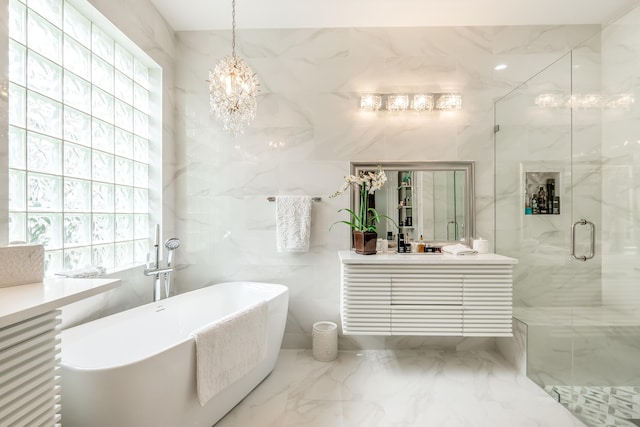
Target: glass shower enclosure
567	165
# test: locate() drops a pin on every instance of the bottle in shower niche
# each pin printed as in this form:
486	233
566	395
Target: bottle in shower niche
556	205
551	194
542	201
534	204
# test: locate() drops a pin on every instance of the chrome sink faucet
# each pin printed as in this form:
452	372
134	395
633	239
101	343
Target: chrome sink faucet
156	270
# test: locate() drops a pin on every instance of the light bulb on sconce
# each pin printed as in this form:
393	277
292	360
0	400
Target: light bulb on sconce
370	102
449	102
422	102
398	102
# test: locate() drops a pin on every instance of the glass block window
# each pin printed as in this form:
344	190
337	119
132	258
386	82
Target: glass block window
78	139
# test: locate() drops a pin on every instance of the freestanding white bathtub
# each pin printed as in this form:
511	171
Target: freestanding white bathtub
137	368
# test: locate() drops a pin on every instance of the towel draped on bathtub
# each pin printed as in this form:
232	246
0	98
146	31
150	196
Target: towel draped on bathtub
229	349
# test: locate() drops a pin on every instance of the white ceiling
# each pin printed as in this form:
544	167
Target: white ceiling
194	15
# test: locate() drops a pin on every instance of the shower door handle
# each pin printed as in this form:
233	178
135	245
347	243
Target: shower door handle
592	250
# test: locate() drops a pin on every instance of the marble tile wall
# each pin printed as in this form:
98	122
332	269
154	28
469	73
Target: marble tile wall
621	172
308	128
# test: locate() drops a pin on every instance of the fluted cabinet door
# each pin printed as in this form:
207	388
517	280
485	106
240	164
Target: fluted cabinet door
430	299
487	301
29	372
365	300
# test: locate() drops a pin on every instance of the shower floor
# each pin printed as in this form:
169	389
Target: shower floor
601	406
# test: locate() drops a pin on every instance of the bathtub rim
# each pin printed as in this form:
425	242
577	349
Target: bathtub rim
81	329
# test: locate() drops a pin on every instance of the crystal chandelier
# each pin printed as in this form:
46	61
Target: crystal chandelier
233	88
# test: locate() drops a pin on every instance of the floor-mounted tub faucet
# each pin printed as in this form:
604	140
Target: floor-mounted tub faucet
156	270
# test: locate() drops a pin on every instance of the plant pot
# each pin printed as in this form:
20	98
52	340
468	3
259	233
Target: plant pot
365	242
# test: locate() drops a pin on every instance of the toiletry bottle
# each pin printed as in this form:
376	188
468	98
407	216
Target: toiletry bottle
401	247
551	193
420	247
534	204
542	201
527	203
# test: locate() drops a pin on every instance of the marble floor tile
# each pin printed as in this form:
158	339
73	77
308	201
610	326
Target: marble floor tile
601	406
397	388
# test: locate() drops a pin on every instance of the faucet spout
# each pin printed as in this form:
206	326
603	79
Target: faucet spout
154	271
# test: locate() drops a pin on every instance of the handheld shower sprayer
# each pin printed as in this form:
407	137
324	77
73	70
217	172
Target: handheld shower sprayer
171	244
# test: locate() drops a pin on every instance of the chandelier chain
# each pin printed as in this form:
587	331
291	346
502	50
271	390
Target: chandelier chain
233	27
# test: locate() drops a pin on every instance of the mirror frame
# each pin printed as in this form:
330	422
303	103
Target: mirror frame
467	166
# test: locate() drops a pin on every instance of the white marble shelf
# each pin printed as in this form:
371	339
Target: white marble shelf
21	302
350	257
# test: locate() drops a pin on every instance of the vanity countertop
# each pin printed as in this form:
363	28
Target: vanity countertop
21	302
350	257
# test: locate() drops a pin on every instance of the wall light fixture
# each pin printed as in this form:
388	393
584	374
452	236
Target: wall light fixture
411	101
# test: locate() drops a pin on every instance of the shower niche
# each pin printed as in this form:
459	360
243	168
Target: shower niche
542	195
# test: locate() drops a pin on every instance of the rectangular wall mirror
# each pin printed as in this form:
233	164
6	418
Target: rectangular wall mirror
434	200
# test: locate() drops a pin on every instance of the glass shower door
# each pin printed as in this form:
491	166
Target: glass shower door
572	132
533	146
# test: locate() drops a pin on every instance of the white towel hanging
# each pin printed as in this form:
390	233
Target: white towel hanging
293	223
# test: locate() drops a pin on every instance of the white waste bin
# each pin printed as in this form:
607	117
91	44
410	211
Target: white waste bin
325	341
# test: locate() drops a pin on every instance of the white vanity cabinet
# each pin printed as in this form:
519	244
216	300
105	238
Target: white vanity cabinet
446	295
30	347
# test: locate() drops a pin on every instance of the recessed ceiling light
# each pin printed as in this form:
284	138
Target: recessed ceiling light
501	67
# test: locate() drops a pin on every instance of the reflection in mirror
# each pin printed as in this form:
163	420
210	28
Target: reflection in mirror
429	199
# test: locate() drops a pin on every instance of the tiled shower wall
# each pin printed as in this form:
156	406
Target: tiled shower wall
309	128
621	164
596	151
